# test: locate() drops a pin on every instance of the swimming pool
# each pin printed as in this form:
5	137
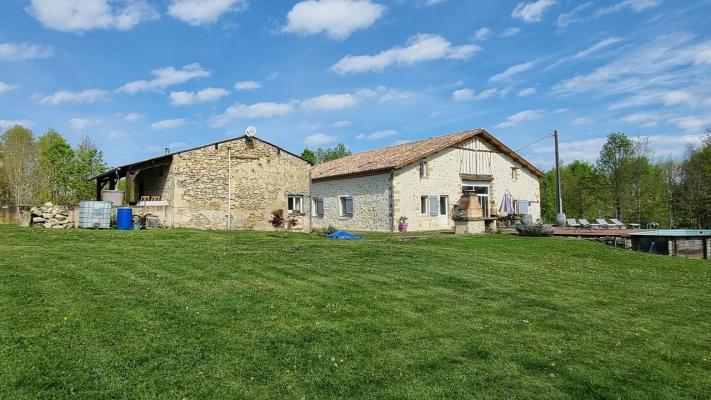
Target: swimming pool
674	232
691	243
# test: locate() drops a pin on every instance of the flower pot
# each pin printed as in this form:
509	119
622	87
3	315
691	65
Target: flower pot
402	227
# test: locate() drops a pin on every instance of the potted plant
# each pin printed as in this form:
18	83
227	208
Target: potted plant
402	224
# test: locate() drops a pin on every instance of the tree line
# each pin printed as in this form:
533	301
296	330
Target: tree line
46	168
627	182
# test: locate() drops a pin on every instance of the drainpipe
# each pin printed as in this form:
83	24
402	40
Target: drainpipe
229	187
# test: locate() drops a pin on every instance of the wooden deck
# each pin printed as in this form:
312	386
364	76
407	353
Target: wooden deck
594	233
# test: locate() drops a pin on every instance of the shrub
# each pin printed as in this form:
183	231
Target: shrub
329	230
534	230
277	220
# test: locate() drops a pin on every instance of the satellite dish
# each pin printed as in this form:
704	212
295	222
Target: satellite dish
250	131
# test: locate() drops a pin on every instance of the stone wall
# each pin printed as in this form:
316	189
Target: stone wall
262	178
444	179
371	202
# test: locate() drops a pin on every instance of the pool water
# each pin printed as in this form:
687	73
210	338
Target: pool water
674	232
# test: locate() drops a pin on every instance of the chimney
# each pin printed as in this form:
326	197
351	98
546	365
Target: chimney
167	151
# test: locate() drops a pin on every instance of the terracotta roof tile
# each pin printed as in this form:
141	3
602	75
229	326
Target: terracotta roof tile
387	158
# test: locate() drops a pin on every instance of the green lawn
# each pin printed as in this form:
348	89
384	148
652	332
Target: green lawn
200	315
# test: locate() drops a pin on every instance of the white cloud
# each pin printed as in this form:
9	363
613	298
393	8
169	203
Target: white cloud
168	124
252	111
531	12
463	95
202	12
530	91
168	76
83	15
4	87
634	5
692	124
203	96
659	66
65	96
643	119
512	31
511	71
329	102
483	33
596	47
677	97
24	51
378	134
703	57
565	19
340	124
469	94
580	121
247	85
514	120
318	139
79	124
419	48
337	18
133	117
7	123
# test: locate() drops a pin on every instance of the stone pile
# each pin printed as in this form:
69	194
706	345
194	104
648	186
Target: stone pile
51	216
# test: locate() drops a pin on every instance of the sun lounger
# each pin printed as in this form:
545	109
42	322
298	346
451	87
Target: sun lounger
619	224
605	224
572	223
585	224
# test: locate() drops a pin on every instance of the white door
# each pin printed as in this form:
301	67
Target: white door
443	217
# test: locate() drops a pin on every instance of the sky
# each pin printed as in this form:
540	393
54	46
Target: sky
137	76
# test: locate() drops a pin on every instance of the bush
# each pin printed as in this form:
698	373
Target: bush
534	230
277	220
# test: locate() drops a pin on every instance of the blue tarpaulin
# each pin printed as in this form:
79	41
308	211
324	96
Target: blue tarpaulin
343	235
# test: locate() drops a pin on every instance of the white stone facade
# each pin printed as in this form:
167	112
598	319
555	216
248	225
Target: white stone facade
371	196
379	200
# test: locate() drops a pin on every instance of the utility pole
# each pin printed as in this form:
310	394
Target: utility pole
560	216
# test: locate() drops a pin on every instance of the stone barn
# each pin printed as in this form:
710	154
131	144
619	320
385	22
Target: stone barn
231	184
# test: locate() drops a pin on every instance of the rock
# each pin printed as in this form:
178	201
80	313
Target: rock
38	220
57	226
34	210
48	204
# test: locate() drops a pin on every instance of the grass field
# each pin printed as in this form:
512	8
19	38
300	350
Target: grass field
200	315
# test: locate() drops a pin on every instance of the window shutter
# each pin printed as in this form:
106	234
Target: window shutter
319	207
349	206
434	206
523	206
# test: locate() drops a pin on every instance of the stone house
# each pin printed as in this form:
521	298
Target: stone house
422	181
231	184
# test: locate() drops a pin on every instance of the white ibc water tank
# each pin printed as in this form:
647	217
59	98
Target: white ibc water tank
114	196
95	214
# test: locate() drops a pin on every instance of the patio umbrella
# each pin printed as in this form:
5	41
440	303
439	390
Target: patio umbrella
506	206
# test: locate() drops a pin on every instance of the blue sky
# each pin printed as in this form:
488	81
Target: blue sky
138	76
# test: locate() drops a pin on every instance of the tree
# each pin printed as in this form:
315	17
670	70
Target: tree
308	155
330	154
54	168
614	159
88	162
669	172
696	184
18	161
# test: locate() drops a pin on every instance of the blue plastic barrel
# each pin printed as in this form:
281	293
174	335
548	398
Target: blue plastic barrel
124	219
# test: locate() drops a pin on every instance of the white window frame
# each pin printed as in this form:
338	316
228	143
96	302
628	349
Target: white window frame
314	207
291	201
446	204
484	198
424	200
428	201
424	172
342	203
